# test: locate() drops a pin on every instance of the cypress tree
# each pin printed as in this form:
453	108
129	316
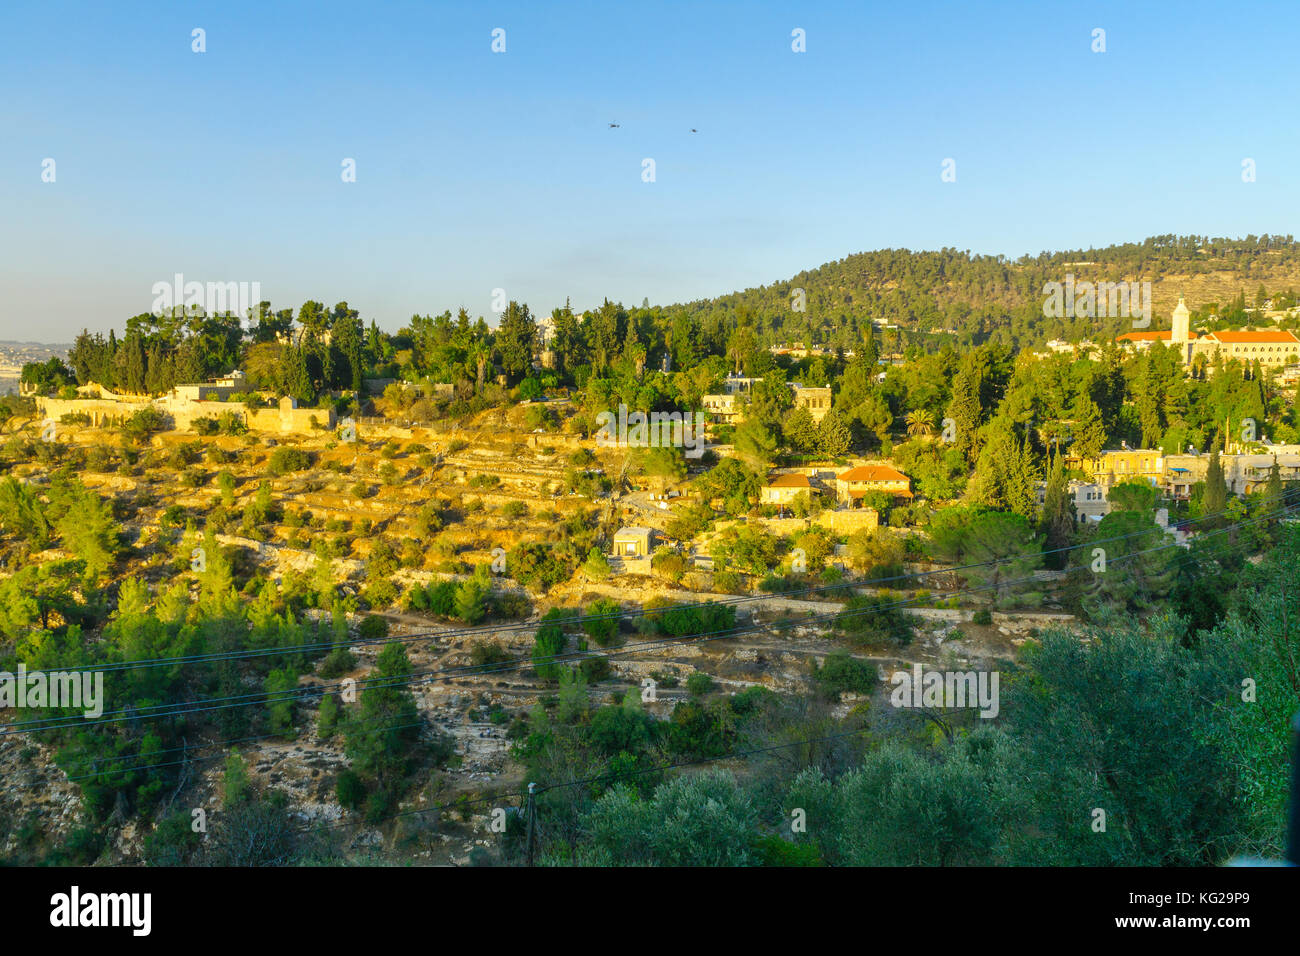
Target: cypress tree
964	410
1057	518
1216	489
1273	490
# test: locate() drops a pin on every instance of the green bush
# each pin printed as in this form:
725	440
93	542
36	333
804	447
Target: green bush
373	627
286	459
601	622
350	789
841	672
699	684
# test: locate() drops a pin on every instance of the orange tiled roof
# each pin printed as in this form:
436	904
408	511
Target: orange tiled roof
789	481
1277	336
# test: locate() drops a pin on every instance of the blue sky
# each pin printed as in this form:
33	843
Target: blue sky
478	171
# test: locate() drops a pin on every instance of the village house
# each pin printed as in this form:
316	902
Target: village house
1089	499
739	383
1244	474
633	542
817	399
721	409
782	489
222	388
851	485
1113	466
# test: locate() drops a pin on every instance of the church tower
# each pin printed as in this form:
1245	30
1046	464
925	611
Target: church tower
1182	323
1180	337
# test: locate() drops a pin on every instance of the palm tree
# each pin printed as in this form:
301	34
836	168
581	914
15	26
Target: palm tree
481	354
920	424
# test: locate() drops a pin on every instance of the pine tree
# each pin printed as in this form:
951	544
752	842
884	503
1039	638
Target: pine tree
379	740
470	605
755	444
833	435
298	380
800	431
1090	431
515	340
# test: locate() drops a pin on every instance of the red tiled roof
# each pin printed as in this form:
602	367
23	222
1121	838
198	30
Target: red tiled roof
1274	336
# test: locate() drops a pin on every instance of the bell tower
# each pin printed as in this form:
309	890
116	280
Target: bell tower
1180	336
1181	323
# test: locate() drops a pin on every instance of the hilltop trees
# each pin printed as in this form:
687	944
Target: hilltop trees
515	340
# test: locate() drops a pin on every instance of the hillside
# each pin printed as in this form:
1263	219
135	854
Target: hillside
993	297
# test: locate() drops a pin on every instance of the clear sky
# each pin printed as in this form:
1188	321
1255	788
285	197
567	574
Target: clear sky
478	170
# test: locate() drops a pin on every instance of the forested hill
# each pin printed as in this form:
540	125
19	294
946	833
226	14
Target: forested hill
995	298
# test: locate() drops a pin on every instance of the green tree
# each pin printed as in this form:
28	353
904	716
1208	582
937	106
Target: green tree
834	438
1057	520
1215	498
380	738
515	340
471	600
601	621
755	444
1089	430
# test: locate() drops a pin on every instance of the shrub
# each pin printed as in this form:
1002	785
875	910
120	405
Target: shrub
286	459
337	663
350	789
487	653
373	627
670	564
842	672
868	619
699	684
601	624
594	669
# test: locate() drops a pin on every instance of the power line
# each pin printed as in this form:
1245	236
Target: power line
617	774
296	694
291	649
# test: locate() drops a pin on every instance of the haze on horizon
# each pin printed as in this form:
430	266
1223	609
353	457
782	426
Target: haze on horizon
479	170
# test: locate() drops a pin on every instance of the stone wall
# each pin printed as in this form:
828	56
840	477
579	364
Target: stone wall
847	522
285	419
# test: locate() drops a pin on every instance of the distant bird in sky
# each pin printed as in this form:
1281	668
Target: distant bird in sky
613	126
695	131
